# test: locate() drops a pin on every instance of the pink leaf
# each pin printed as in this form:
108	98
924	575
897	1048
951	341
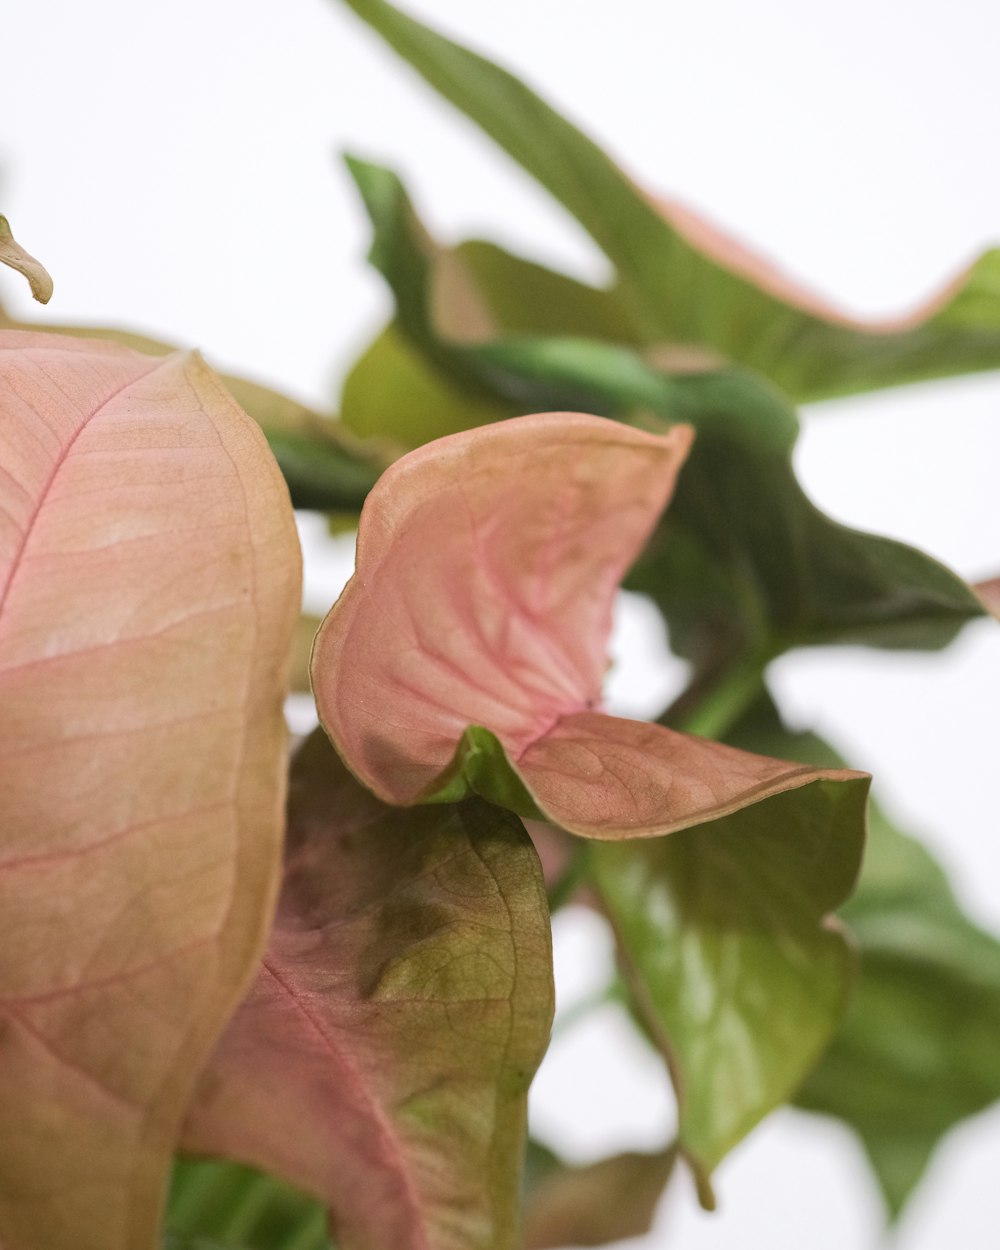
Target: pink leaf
383	1056
487	566
149	582
989	593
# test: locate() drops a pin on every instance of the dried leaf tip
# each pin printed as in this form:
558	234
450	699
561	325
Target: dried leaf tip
14	255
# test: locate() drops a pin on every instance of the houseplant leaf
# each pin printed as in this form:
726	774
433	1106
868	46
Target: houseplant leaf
323	465
747	566
593	1204
238	1208
466	654
725	941
682	281
383	1056
149	584
919	1047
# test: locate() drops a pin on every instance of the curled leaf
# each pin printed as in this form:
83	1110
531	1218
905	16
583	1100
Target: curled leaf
468	650
14	255
382	1059
149	584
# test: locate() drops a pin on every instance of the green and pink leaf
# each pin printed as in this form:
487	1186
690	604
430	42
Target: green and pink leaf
382	1059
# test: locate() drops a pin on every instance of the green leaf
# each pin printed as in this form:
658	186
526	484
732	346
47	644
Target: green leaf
326	468
393	393
228	1205
524	297
734	967
679	281
382	1058
744	564
919	1048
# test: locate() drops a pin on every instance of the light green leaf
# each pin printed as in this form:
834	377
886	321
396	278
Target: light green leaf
393	393
228	1205
725	940
919	1048
682	283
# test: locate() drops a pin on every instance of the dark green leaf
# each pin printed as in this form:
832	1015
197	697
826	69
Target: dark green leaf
743	563
681	287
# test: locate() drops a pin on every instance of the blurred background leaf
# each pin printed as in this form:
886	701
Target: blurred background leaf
676	291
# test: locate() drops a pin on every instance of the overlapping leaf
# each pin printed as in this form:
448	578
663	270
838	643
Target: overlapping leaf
149	581
734	971
323	466
747	565
383	1056
595	1204
680	281
919	1048
467	652
227	1205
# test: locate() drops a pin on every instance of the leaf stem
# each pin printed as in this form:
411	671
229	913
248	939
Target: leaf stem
713	703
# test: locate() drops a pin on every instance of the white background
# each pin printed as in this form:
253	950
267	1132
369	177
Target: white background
174	166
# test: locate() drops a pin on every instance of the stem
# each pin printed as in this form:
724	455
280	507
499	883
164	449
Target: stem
566	885
711	706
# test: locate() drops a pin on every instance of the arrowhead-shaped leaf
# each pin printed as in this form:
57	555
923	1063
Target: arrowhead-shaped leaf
383	1056
919	1047
681	281
747	565
149	583
467	652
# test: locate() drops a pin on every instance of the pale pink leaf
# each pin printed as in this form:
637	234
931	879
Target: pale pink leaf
149	582
382	1059
487	566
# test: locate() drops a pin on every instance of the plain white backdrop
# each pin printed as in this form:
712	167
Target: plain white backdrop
175	167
